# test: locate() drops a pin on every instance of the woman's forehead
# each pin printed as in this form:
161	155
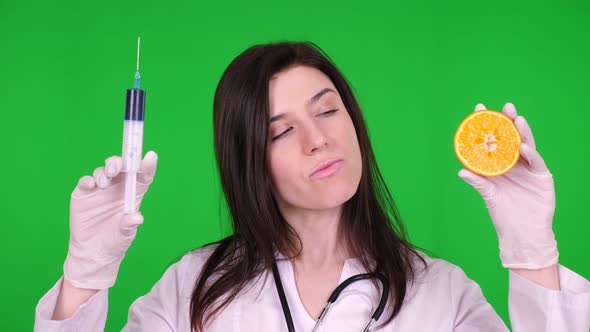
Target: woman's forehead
296	87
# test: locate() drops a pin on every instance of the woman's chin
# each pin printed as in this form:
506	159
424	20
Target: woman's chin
332	198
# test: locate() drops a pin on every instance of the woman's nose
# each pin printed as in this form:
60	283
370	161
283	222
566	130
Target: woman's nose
314	139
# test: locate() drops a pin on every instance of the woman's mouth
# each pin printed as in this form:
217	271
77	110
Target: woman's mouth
326	169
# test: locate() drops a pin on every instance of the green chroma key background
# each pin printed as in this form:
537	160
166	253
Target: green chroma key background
417	68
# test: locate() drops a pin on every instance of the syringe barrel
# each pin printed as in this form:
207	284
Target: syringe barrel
132	145
133	130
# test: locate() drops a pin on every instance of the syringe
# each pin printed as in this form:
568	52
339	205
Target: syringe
133	138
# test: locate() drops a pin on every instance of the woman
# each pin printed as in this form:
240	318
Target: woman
305	193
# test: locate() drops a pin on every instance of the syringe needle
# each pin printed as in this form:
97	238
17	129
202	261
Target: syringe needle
137	54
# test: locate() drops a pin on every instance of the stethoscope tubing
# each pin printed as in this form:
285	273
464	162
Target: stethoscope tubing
333	297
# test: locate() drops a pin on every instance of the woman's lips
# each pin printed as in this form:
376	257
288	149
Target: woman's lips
328	170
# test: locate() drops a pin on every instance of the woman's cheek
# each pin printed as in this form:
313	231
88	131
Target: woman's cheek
278	169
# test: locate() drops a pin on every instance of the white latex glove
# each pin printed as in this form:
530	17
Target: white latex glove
521	203
100	233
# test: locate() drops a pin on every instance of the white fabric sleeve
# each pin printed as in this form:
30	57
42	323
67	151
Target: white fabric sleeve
533	307
90	316
472	311
156	311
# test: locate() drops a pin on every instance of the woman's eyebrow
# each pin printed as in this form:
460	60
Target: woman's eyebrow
312	100
319	95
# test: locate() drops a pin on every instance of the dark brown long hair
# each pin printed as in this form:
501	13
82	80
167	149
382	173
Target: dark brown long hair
370	223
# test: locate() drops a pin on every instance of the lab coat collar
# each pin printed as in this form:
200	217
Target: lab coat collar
351	267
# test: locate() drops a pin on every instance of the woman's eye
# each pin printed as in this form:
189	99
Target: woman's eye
330	111
290	128
281	134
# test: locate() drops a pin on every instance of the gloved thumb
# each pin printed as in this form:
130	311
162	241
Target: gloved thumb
147	168
479	183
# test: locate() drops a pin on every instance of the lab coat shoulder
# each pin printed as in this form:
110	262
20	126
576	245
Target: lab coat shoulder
450	298
445	289
164	307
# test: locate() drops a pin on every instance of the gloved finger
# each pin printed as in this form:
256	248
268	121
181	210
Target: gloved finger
147	168
129	224
509	110
102	181
479	183
86	183
525	131
534	159
479	107
113	166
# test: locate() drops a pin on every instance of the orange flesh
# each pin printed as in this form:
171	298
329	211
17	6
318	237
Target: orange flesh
487	143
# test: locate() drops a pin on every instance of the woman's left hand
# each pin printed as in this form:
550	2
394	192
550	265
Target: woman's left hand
521	203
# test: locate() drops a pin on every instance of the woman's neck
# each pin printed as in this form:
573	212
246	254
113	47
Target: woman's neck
321	242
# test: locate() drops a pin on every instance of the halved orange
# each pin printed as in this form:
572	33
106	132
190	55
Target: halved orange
487	143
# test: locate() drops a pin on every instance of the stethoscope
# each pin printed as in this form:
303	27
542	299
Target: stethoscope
333	297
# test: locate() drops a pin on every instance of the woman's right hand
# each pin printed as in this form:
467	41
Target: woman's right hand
100	233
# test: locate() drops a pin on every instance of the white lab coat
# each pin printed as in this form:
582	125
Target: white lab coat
441	299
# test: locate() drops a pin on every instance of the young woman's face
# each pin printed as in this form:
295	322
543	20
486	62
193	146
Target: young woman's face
309	126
